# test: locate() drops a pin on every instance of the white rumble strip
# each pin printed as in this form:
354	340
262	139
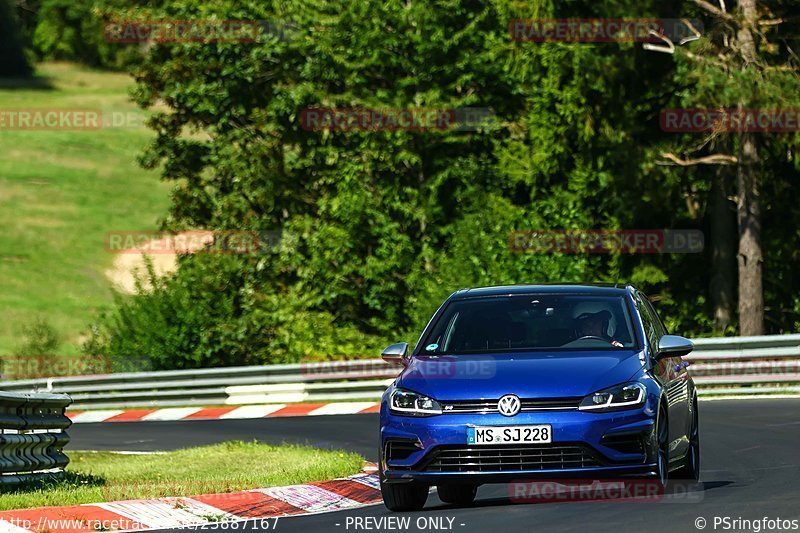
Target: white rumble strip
225	413
179	512
252	411
175	413
341	408
96	416
167	512
310	498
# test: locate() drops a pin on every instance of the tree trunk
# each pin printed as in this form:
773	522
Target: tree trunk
722	226
750	259
748	205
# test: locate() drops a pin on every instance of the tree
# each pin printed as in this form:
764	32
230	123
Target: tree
379	225
737	66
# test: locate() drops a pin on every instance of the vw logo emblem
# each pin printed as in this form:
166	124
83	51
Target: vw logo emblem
509	405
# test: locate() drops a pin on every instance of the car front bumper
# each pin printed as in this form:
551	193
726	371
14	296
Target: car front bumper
608	437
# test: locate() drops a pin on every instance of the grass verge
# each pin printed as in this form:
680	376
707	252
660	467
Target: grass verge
95	477
61	191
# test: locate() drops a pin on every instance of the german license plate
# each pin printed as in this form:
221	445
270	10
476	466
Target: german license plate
510	434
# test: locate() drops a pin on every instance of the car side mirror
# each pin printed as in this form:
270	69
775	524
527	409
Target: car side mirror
396	353
673	346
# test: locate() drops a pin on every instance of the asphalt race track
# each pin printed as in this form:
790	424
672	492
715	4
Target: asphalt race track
358	433
750	470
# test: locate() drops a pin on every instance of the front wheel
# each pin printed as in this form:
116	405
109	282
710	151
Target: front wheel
457	494
690	465
404	496
662	448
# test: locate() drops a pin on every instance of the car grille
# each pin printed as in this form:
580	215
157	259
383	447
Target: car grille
509	458
490	406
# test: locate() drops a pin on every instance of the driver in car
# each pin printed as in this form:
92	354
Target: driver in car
595	325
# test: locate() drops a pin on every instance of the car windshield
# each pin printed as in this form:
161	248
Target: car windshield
531	322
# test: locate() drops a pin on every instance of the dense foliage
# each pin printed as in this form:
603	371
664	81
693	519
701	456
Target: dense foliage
74	30
379	226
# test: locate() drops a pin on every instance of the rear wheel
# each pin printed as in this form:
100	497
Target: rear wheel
457	494
690	465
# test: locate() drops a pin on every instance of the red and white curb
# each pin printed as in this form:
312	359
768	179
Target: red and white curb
137	515
252	411
223	413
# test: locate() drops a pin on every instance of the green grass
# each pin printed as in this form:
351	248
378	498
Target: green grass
102	476
60	192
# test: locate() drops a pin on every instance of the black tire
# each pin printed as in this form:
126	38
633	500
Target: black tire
457	494
662	448
404	496
690	464
401	496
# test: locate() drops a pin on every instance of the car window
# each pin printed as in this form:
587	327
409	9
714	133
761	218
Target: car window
659	323
531	322
652	329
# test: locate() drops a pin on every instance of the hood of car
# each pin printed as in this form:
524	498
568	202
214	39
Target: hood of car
528	375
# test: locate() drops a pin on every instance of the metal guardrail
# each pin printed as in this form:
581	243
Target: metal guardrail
764	365
730	365
289	383
32	437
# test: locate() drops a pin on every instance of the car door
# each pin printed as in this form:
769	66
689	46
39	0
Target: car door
670	373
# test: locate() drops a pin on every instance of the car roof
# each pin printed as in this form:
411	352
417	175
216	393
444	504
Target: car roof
607	289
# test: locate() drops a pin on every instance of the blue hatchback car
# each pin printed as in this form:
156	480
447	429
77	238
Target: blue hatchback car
531	382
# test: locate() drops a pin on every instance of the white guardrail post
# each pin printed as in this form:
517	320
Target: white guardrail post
720	366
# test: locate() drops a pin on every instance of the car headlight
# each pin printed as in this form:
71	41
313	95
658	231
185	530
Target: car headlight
414	404
625	396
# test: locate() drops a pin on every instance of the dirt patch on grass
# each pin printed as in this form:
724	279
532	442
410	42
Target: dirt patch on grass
131	263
